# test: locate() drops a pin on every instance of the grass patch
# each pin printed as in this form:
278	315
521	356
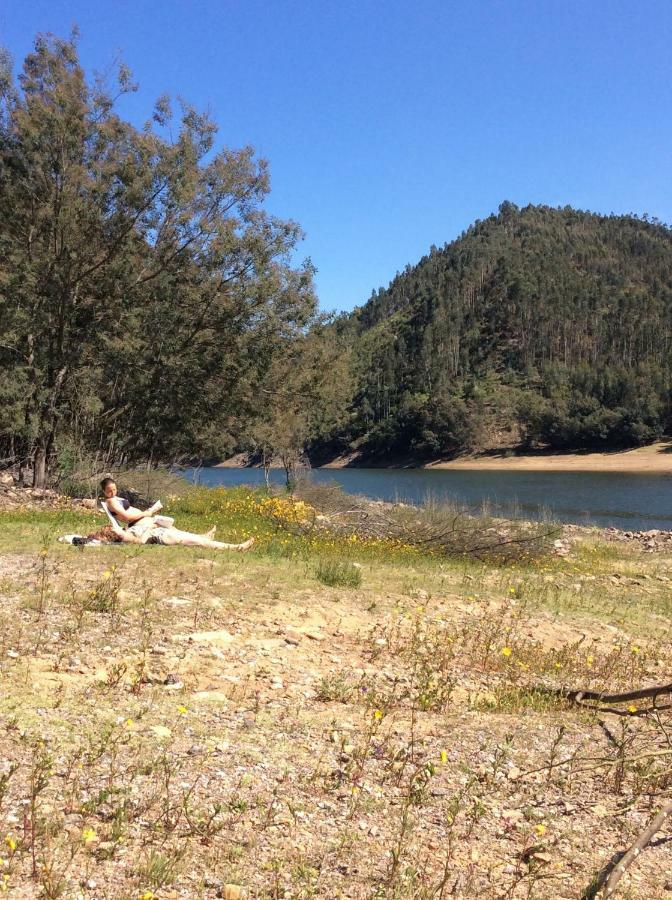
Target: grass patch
338	573
514	700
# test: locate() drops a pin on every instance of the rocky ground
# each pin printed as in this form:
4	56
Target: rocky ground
180	724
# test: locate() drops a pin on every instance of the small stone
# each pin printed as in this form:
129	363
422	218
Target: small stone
196	750
512	815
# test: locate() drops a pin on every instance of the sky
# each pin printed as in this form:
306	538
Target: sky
391	126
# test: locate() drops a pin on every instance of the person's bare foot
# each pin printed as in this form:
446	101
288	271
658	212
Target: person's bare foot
210	534
245	545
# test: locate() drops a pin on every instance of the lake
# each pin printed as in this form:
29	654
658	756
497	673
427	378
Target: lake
632	502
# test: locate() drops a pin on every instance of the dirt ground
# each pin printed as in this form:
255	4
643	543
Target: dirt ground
175	724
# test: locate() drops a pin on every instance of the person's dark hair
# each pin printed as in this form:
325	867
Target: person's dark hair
104	483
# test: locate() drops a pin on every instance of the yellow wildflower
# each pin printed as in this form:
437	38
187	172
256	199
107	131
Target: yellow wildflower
182	710
107	575
88	835
506	651
632	708
635	649
377	714
11	843
540	830
444	757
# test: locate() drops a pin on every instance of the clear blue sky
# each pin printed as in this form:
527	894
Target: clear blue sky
391	126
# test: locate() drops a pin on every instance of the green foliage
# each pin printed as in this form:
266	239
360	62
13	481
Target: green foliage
304	398
144	292
539	326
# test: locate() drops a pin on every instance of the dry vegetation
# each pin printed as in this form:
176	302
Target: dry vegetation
177	723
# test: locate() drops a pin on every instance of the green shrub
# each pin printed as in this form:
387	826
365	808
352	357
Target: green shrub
338	573
335	688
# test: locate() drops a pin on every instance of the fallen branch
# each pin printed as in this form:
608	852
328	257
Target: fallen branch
640	694
580	696
631	855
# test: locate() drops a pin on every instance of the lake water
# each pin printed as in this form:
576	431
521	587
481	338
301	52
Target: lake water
624	500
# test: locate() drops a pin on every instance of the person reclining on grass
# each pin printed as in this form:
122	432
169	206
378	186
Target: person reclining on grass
151	532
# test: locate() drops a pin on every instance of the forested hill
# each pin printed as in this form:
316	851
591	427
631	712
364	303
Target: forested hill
536	326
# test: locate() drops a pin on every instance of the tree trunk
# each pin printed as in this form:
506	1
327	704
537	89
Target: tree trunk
45	445
266	460
289	465
40	466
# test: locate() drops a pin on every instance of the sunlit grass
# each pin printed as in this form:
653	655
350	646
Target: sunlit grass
406	698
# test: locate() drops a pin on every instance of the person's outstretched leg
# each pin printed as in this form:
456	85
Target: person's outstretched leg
173	536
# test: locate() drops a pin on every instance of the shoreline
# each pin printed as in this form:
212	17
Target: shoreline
654	459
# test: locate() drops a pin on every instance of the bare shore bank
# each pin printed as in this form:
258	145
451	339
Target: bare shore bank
653	459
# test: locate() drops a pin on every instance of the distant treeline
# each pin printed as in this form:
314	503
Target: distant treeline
538	326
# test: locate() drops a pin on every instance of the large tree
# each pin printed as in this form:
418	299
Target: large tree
143	289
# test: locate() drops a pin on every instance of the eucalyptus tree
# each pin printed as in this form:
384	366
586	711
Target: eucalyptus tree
143	289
